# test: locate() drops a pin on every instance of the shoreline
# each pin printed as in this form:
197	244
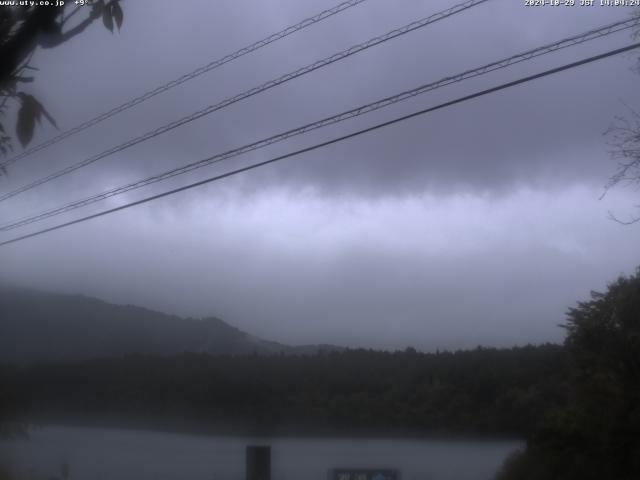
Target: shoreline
220	430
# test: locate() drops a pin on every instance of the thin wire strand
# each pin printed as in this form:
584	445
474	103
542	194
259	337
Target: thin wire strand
340	117
332	141
251	92
185	78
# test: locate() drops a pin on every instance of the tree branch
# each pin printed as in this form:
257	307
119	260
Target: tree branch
50	41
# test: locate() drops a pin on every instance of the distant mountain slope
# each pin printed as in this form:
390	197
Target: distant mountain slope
37	326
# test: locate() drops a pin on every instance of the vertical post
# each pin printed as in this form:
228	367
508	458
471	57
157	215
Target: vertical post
258	462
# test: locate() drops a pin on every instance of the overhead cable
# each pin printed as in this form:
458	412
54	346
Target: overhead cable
249	93
328	142
185	78
340	117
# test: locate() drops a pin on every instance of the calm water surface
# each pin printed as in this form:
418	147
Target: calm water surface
110	454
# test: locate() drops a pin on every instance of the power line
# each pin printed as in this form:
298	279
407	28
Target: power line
251	92
332	141
364	109
186	77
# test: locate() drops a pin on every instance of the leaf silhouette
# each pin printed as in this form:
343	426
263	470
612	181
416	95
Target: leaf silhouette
116	10
30	112
107	19
27	116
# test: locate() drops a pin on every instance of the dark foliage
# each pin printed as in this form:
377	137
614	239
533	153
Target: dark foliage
597	434
482	390
23	29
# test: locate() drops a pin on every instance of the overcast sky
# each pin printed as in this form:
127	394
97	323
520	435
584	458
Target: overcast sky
478	224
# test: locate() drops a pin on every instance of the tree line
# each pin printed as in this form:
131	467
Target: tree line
486	390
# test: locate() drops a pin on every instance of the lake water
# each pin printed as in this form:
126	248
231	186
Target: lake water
113	454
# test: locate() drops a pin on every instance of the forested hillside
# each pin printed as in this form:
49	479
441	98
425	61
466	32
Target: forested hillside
483	390
48	327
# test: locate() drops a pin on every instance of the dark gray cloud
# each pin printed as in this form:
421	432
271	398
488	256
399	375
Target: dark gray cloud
486	143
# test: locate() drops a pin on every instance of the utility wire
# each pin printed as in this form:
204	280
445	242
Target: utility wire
364	109
251	92
185	78
332	141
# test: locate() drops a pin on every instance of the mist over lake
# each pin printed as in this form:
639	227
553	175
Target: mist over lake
109	454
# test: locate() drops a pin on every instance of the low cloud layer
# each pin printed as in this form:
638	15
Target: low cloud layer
429	271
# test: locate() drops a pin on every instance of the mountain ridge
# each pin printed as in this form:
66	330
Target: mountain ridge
37	326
